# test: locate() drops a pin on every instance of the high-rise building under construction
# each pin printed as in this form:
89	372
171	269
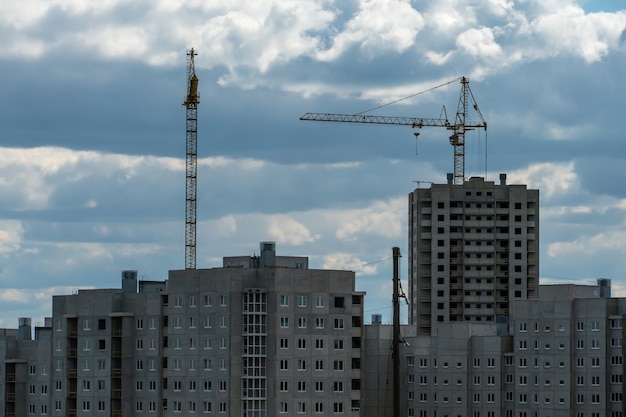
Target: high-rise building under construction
473	248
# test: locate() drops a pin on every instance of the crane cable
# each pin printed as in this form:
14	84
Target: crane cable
411	96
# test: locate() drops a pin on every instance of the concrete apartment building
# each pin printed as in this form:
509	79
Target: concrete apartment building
473	248
561	355
261	336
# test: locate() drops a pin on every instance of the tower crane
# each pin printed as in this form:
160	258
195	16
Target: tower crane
460	126
191	177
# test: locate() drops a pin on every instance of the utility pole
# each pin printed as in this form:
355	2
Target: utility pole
396	332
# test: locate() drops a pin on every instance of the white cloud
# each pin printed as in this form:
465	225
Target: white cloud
346	261
26	295
569	30
610	241
11	236
224	226
285	229
29	177
479	43
378	26
382	219
549	177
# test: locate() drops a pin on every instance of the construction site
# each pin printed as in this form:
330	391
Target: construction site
265	335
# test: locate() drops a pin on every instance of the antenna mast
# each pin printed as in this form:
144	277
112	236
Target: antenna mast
191	139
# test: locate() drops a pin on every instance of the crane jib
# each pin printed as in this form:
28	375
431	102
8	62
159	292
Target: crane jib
416	122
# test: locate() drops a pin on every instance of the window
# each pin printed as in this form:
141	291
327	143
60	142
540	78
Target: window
223	300
595	325
302	322
338	344
319	343
302	301
301	365
339	323
208	301
319	301
284	322
319	323
338	365
284	300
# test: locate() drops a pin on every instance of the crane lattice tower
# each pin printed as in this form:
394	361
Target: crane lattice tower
191	177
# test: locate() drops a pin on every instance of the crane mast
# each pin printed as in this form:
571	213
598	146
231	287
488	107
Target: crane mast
460	126
191	170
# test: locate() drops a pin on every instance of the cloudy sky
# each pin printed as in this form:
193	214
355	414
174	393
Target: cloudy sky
92	132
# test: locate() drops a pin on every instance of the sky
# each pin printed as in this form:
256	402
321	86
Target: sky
92	130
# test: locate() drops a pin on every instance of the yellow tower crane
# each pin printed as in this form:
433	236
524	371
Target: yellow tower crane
460	126
191	139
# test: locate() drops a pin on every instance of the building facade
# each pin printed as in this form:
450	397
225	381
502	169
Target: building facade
261	336
473	249
561	355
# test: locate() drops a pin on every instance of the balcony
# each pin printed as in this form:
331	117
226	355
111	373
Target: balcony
71	394
424	285
116	393
11	377
116	372
10	397
72	353
72	373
